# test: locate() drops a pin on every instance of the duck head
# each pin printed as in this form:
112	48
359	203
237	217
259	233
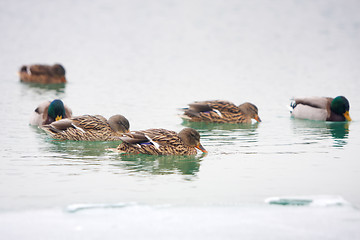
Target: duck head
251	110
56	110
340	105
191	138
119	123
58	70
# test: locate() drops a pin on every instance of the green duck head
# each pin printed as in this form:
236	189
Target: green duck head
340	105
56	110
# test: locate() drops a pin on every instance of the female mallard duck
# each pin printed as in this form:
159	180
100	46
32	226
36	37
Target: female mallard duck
221	112
88	128
48	112
161	142
44	74
321	108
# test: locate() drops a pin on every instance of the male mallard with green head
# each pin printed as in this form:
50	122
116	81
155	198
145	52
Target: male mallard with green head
88	128
161	142
218	111
44	74
321	108
48	112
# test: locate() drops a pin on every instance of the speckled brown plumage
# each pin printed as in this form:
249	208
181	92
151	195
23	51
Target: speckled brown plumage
44	74
219	111
88	128
161	142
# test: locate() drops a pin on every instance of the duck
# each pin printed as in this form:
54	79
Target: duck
43	74
88	128
50	111
321	108
220	111
161	142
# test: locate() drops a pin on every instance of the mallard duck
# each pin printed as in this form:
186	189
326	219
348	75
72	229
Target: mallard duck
321	108
88	128
161	142
44	74
48	112
219	111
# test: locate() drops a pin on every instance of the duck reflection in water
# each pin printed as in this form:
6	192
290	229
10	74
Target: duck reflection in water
338	131
79	149
244	134
160	165
204	126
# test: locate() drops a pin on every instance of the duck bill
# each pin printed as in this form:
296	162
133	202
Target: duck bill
257	118
347	116
201	148
58	118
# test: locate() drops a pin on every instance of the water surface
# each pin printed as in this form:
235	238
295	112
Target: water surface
146	61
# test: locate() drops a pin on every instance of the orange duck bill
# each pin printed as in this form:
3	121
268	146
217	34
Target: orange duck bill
201	148
347	116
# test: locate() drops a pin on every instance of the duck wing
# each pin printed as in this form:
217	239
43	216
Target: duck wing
151	136
42	108
88	122
82	123
195	109
316	102
199	107
223	106
313	108
40	114
302	111
58	126
217	106
134	138
39	69
68	112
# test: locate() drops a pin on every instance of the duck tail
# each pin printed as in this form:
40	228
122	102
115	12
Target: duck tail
183	116
50	129
292	105
192	113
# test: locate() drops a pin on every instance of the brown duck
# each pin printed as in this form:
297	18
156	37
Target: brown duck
218	111
44	74
88	128
161	142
